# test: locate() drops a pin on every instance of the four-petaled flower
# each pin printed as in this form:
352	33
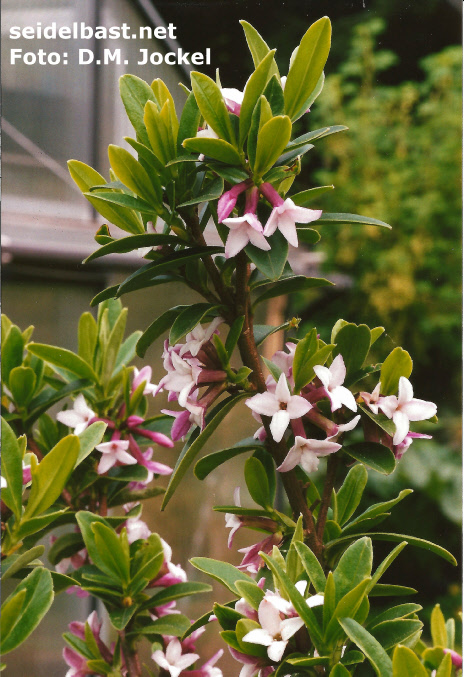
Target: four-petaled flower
284	217
274	632
198	336
280	405
143	375
113	452
306	453
173	660
244	229
332	379
405	408
78	417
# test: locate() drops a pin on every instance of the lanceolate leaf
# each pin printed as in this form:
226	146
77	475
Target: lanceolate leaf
312	136
312	566
135	93
218	149
36	593
374	455
64	359
307	67
346	219
369	646
350	493
188	320
12	470
253	90
271	263
291	285
157	328
189	121
89	439
50	396
407	664
192	449
212	106
123	200
223	572
257	46
307	197
272	139
209	463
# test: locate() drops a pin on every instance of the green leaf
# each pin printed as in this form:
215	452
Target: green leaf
119	618
188	319
411	540
384	590
12	470
48	397
307	67
223	572
253	90
157	328
438	627
262	113
111	348
369	646
212	106
89	439
312	136
353	343
84	176
177	591
291	285
374	455
189	121
350	493
271	263
144	276
446	666
174	625
312	567
397	364
257	46
394	632
147	561
380	508
354	566
87	337
123	200
407	664
272	139
307	357
65	546
227	617
257	482
218	149
347	607
64	359
14	563
262	331
12	352
114	555
22	385
399	611
274	95
133	175
347	219
305	613
190	450
234	335
36	524
211	191
51	475
339	670
250	592
36	594
209	463
135	93
381	420
384	565
160	131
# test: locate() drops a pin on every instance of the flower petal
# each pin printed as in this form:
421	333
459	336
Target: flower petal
264	403
419	410
258	636
276	651
405	391
290	626
401	422
279	424
291	460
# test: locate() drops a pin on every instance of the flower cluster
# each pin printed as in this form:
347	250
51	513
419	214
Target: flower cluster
285	409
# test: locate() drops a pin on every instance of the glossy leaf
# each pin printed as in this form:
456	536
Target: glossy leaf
135	93
262	331
354	566
307	67
353	343
12	470
350	493
189	121
312	567
157	329
122	200
271	263
385	590
188	319
218	149
308	137
14	563
209	463
374	651
379	508
51	475
19	620
257	482
190	450
223	572
177	591
211	191
49	396
438	627
89	439
257	46
250	592
253	90
394	632
22	383
291	285
339	670
12	352
174	625
272	139
346	219
407	664
64	359
374	455
212	106
397	364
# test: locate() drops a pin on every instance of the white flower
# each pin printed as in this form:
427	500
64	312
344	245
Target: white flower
112	452
244	229
136	528
181	377
143	375
198	336
405	408
274	632
345	427
174	661
373	399
3	482
332	379
281	406
285	216
78	417
306	453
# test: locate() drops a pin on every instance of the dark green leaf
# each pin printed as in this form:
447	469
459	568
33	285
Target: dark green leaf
271	263
291	285
353	343
369	646
223	572
354	566
350	493
262	331
50	396
257	482
188	319
22	385
346	219
133	242
306	197
312	567
157	328
312	136
12	470
189	121
374	455
12	352
209	463
211	191
253	90
64	359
